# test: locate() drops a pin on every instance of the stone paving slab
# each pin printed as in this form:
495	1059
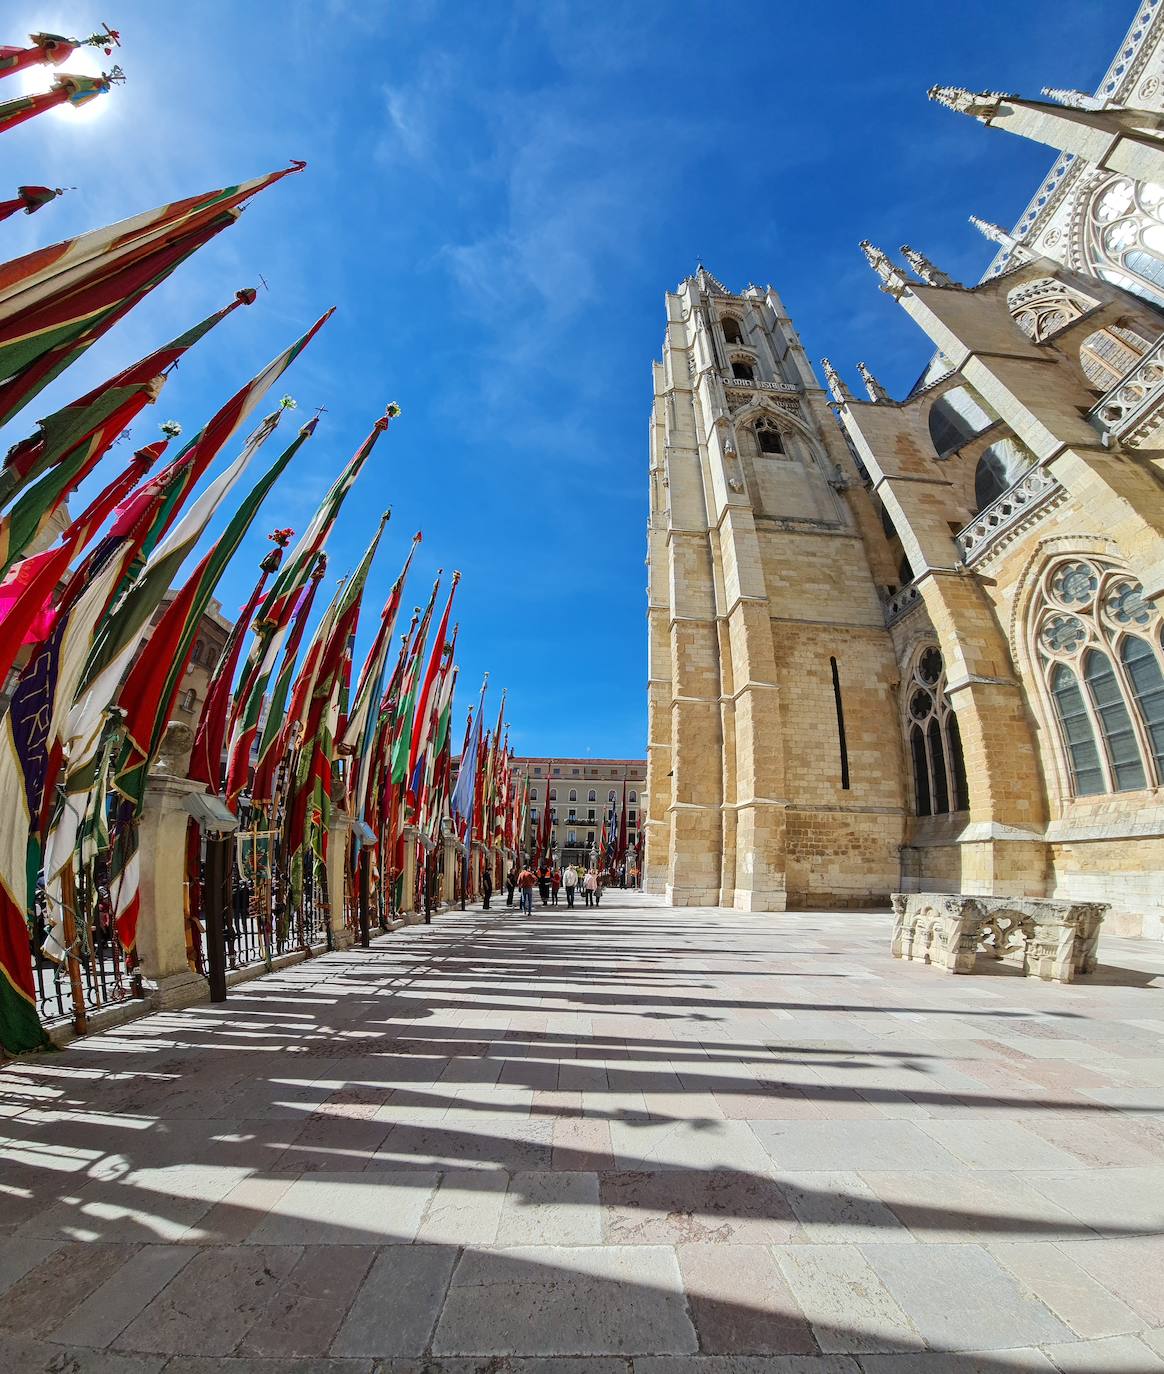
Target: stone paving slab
644	1141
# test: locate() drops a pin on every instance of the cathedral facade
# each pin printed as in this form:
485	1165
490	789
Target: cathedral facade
918	644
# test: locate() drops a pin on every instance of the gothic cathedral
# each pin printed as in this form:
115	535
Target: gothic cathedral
918	645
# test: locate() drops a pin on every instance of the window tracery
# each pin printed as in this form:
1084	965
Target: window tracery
933	739
769	437
1124	235
731	330
1098	643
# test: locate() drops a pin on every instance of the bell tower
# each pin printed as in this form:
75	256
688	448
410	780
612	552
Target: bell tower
774	759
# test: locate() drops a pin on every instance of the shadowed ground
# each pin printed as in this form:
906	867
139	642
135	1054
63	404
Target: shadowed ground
624	1141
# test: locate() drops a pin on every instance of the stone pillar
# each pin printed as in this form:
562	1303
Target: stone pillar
161	930
451	858
339	840
408	885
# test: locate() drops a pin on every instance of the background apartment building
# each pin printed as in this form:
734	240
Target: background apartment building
578	793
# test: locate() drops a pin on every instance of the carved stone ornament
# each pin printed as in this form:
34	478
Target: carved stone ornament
980	104
174	750
1055	940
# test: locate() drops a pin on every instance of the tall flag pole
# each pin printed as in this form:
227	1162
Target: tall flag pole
273	622
210	734
465	791
68	88
26	592
309	799
30	753
269	752
150	690
69	444
426	698
361	724
58	301
30	199
51	49
114	643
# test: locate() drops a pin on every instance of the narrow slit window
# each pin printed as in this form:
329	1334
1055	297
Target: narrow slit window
840	725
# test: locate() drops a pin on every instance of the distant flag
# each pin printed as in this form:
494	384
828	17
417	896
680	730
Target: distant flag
360	730
68	88
51	49
461	800
30	199
423	720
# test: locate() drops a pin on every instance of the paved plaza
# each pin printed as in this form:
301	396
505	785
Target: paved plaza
625	1141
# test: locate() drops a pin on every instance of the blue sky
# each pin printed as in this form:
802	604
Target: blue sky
497	197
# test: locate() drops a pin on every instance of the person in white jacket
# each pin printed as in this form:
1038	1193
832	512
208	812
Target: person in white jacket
570	882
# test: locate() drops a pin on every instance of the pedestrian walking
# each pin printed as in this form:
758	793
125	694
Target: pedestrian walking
510	884
526	881
598	879
555	886
590	886
570	882
486	889
544	885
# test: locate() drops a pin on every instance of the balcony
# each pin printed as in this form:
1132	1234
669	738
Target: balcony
1035	492
899	605
1134	408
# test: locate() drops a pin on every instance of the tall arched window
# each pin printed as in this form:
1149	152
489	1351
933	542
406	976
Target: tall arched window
742	370
935	745
731	330
553	794
573	794
610	795
533	794
592	795
1098	643
634	796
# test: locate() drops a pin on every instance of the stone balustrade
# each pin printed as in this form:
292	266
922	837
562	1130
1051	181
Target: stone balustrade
1056	940
1034	492
1134	407
901	603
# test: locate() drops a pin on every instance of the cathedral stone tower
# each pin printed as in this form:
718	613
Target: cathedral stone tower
923	650
775	772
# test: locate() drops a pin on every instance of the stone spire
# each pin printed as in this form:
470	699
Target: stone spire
982	104
893	280
1074	100
877	392
925	269
836	383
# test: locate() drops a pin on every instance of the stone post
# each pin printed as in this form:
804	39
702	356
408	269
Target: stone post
161	929
408	886
339	840
449	871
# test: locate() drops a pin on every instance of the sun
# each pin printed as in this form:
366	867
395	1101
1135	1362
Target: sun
39	78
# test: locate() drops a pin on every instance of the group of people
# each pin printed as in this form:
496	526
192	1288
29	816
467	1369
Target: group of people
549	881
